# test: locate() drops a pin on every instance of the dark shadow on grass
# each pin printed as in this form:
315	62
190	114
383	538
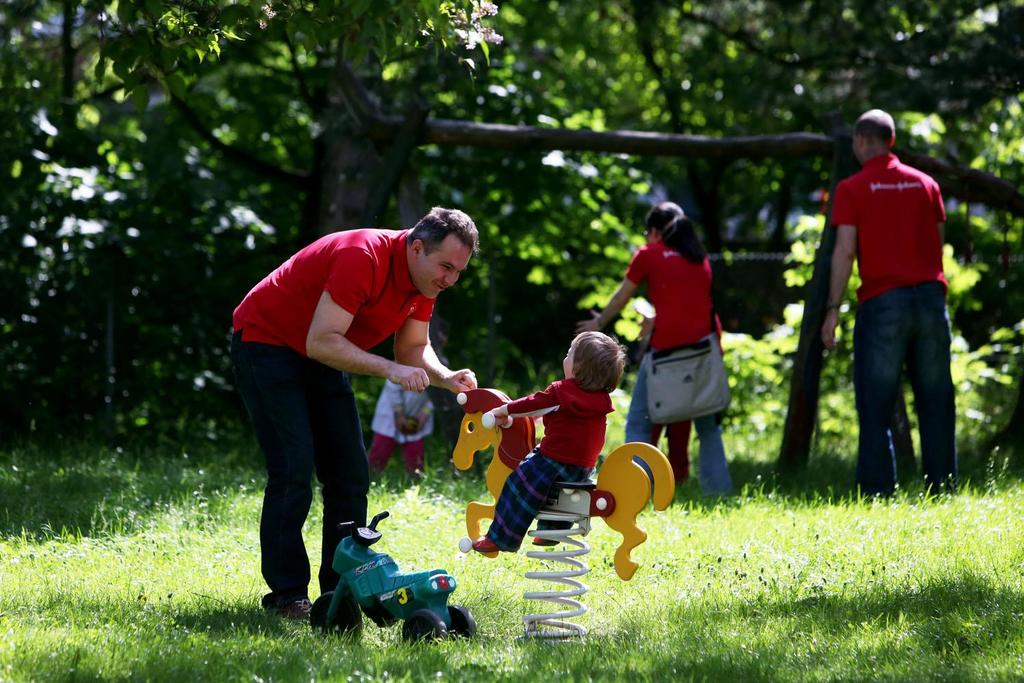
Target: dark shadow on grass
459	486
92	490
826	478
831	477
230	619
184	613
947	621
944	629
991	605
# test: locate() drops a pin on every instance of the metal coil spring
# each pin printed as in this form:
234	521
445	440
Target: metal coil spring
555	625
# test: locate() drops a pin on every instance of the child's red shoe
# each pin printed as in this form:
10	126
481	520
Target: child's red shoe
537	540
484	545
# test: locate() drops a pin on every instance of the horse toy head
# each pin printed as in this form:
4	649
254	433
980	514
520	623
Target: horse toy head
512	443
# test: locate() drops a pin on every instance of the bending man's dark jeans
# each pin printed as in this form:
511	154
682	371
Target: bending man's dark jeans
905	325
305	418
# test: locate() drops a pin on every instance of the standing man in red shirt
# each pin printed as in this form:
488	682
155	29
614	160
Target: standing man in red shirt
297	336
890	217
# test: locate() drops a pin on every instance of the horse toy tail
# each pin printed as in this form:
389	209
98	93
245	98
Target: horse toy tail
631	474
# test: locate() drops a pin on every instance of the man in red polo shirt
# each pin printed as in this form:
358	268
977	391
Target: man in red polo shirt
297	336
890	218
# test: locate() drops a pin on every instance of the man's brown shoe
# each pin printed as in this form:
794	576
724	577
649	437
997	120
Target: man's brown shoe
296	609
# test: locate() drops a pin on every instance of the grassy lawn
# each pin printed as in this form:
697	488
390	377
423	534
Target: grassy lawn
144	566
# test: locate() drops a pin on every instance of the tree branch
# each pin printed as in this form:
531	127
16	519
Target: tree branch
292	177
360	105
643	18
789	59
304	90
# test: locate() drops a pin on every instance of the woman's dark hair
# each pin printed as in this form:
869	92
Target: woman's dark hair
681	235
662	214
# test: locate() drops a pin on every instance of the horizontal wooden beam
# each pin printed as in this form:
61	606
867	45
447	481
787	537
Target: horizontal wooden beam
966	184
969	184
532	138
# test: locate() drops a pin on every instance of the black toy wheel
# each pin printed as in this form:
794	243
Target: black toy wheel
379	614
463	623
424	625
347	620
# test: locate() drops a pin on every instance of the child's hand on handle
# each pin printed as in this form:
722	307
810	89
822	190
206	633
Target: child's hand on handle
497	416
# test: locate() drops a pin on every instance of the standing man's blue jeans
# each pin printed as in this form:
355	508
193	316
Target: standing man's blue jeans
713	470
904	325
305	418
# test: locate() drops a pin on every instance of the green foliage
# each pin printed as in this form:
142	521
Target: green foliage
985	378
183	156
172	41
118	227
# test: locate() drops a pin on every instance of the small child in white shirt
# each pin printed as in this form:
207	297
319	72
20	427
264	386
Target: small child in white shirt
404	418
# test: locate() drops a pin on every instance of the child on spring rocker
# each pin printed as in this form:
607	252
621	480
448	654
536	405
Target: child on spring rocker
574	411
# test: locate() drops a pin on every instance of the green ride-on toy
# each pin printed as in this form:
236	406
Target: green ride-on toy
372	583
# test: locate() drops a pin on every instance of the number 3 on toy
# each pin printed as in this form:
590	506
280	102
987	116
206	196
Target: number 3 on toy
403	596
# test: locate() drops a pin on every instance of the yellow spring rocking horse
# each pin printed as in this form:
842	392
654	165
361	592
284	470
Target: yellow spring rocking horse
631	475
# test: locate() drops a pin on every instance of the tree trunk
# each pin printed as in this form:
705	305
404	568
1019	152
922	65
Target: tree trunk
310	225
396	159
783	203
350	161
109	348
350	164
708	201
410	198
804	385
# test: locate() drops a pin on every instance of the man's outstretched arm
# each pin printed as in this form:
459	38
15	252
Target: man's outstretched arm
842	265
327	344
413	348
618	301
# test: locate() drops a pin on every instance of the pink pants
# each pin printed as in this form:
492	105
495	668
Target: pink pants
384	446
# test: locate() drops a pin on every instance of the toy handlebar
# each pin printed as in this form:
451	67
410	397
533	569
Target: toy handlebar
352	527
378	517
488	421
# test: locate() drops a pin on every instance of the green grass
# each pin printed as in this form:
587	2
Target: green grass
145	566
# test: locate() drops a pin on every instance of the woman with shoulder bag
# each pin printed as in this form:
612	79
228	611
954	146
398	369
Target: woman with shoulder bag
677	271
